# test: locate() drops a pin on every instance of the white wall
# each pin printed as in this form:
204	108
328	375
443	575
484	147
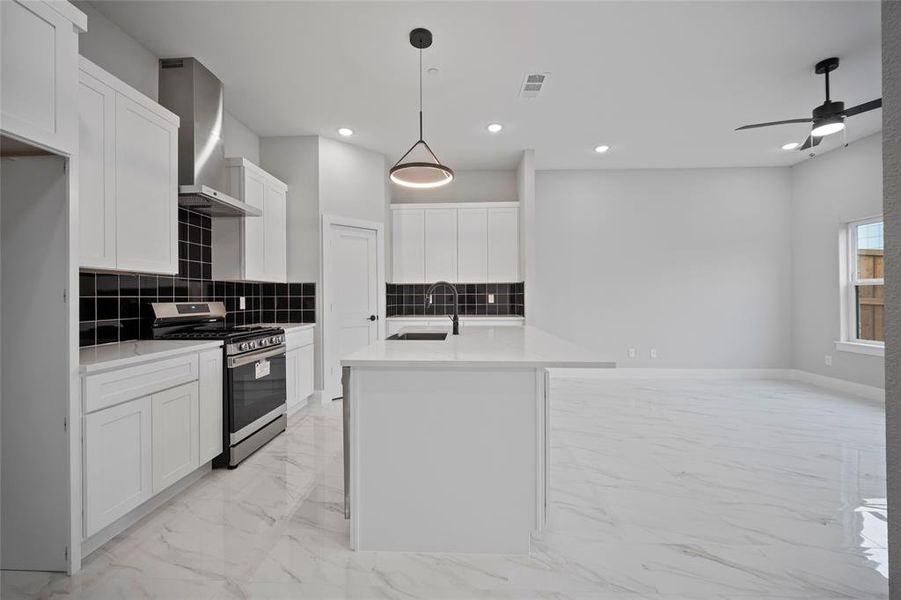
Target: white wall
351	181
829	191
467	186
324	176
694	263
295	160
239	139
111	48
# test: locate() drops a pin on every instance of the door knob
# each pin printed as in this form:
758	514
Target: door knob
373	318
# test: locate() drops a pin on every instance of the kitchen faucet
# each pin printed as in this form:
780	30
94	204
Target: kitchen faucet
456	317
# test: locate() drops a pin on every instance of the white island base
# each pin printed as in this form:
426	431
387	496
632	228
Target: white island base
446	459
446	441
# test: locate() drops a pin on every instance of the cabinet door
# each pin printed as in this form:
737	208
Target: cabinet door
441	244
408	246
210	405
146	190
305	383
275	231
292	377
96	173
472	244
117	462
253	193
38	63
503	244
176	451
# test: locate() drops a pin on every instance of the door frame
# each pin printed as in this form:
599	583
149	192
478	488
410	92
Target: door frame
329	389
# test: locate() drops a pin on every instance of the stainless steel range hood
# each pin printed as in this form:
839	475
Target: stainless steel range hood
191	91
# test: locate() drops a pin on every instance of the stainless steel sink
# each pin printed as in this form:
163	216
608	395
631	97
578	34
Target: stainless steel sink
419	336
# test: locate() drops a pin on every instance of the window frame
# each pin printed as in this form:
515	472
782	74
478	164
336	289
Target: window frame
850	340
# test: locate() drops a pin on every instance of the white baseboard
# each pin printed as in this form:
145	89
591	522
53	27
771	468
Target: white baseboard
293	408
868	392
639	373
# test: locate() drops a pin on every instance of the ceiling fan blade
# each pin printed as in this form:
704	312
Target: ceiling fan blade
755	125
862	108
810	141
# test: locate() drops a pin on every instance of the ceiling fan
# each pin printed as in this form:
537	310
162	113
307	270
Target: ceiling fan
829	117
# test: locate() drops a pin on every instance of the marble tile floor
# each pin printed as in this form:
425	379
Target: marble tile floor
659	490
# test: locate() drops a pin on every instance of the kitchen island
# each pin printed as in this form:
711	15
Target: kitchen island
446	440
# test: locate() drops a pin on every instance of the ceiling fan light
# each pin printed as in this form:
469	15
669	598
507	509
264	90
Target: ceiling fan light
421	175
828	127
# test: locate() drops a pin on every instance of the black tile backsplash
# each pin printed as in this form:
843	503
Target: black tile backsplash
115	307
409	299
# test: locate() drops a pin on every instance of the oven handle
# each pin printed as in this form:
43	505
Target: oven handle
246	359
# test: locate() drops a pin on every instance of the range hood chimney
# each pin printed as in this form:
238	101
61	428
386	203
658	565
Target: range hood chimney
191	91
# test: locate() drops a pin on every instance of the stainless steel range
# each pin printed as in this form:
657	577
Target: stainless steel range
254	384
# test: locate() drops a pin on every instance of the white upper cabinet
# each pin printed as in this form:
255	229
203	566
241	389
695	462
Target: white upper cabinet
463	243
408	245
128	177
252	248
503	244
472	245
39	66
440	239
97	180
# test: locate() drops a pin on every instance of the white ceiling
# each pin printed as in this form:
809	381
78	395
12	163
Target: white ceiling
663	83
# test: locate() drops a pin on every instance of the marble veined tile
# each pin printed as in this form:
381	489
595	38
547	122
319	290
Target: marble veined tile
659	489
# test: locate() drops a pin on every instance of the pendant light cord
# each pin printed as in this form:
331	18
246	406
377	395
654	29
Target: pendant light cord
420	94
421	140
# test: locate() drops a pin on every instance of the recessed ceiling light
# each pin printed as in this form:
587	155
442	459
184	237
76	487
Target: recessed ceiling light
601	149
433	71
346	131
495	127
790	146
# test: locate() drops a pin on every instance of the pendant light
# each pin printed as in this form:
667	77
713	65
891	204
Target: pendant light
422	174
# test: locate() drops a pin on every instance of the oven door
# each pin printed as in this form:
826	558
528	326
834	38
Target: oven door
257	391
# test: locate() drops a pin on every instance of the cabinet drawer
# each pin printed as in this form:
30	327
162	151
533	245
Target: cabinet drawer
296	339
114	387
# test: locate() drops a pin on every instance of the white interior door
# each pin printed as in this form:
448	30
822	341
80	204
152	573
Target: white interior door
354	307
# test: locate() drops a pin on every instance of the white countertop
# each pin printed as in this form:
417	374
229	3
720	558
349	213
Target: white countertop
462	317
290	326
123	354
504	346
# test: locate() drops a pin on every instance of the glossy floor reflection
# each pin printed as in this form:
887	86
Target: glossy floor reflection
659	489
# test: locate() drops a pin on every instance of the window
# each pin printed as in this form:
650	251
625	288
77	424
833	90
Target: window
866	290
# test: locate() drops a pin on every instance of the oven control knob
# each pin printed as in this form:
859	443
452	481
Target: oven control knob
242	346
264	342
252	345
275	340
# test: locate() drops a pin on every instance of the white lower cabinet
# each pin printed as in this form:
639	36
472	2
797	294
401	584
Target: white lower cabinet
299	367
210	374
147	426
176	444
117	459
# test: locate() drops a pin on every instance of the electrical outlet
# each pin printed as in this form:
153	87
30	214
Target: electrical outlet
653	352
633	352
828	360
242	303
490	298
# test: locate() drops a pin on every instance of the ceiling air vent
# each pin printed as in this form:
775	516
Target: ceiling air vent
532	84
